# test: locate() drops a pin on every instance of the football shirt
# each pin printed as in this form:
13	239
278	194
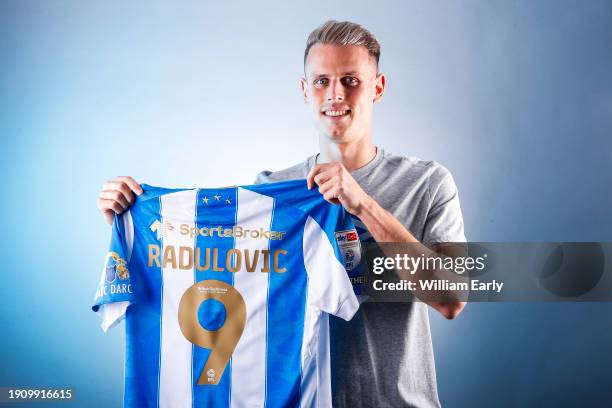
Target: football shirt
226	292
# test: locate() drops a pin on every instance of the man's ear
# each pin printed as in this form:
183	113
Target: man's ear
304	86
379	85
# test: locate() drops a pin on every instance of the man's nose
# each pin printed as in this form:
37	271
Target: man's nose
335	92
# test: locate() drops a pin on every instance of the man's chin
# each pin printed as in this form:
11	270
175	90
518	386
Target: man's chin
337	134
337	137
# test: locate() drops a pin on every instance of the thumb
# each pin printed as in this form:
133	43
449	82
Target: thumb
109	216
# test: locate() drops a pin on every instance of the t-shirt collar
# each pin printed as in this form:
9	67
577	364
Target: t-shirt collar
362	171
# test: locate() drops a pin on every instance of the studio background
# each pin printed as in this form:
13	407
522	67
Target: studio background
514	97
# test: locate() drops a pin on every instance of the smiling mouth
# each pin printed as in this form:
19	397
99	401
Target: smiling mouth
337	114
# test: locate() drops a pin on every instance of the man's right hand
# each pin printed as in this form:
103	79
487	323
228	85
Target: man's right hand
117	195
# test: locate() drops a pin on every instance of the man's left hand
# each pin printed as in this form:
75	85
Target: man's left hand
338	186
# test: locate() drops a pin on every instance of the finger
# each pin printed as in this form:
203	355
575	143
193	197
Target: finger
331	194
327	186
322	178
110	205
116	196
311	175
327	178
318	169
121	187
331	197
133	184
327	172
109	217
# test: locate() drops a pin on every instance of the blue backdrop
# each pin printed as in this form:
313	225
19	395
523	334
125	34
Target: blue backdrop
514	97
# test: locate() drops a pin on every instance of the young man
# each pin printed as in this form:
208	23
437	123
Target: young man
384	356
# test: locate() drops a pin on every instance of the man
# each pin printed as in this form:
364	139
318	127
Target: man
384	356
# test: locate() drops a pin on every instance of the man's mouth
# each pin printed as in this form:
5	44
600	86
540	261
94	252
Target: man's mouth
337	114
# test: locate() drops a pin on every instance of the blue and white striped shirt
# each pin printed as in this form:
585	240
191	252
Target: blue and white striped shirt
226	292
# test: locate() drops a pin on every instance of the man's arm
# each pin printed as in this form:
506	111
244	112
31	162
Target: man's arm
384	227
338	186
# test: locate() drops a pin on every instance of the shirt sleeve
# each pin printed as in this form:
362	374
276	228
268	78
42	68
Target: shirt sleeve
444	221
115	291
329	287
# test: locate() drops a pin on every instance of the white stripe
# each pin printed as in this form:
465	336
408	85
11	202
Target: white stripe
324	397
128	226
176	351
308	392
249	358
316	376
329	288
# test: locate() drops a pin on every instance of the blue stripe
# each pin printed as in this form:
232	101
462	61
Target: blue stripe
143	326
286	309
218	212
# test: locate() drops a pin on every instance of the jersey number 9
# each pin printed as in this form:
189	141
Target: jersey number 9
221	341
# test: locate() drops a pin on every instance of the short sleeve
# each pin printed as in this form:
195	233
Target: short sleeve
262	177
444	222
329	286
115	291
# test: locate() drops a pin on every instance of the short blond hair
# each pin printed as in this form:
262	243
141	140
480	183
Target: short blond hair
343	33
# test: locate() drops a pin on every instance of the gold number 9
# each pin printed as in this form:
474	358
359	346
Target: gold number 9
222	341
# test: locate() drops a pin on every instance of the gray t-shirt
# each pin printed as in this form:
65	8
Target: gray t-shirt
384	357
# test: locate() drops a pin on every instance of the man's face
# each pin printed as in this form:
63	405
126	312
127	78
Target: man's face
341	86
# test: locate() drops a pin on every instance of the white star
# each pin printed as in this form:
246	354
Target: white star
205	200
227	200
217	197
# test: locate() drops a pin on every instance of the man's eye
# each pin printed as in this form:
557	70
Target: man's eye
350	81
320	82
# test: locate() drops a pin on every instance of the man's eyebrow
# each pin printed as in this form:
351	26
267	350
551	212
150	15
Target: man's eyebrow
349	73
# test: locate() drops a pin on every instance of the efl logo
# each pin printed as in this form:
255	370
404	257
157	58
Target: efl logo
346	236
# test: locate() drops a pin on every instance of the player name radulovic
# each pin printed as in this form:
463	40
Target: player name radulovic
439	285
216	260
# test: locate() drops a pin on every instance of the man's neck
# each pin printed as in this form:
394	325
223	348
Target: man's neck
351	155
